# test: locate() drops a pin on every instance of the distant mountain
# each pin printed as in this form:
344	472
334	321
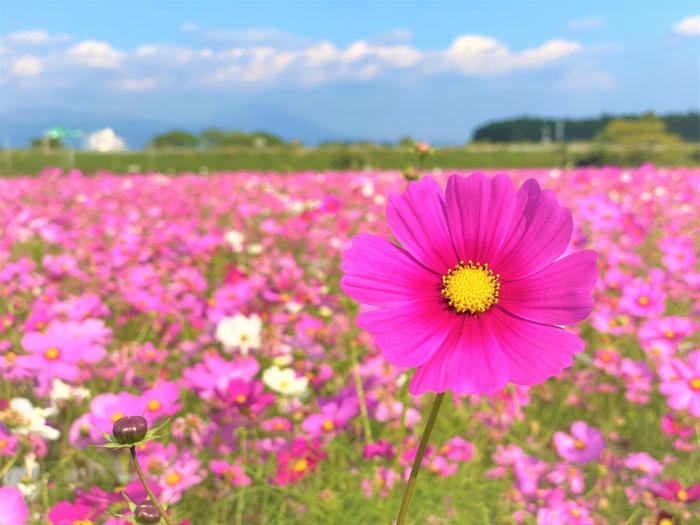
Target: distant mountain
18	128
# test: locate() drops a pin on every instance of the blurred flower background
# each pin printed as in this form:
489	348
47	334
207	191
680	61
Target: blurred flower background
180	183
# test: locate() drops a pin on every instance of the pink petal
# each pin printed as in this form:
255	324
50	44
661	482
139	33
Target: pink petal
381	274
409	334
468	362
417	219
534	352
539	233
479	213
558	294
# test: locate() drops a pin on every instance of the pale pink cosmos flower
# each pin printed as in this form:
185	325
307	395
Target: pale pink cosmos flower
14	509
681	383
583	445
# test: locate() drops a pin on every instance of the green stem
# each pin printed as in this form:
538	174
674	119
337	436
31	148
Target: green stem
411	485
153	499
361	394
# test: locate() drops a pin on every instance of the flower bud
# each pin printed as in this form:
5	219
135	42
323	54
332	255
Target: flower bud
130	429
146	512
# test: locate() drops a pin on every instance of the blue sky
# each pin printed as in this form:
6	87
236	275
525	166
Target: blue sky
380	70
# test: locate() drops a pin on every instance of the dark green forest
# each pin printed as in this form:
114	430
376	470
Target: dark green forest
530	129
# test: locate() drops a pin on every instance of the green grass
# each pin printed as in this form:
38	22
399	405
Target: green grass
30	162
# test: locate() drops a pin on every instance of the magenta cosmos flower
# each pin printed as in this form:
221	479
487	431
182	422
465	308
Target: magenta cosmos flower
475	295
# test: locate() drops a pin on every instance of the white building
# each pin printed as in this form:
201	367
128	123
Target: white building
104	140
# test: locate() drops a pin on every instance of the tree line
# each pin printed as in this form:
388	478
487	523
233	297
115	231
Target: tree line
533	129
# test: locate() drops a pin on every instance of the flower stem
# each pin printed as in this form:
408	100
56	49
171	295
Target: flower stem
360	393
401	520
153	499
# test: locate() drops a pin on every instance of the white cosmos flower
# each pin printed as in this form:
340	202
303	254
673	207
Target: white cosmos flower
31	419
285	381
61	391
240	332
235	239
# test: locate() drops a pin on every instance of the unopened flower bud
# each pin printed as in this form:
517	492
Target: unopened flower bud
130	429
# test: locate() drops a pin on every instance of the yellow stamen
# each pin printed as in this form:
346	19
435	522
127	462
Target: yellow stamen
173	479
240	399
328	425
154	405
575	513
579	444
682	495
117	416
300	465
695	383
471	287
643	300
52	354
670	333
10	357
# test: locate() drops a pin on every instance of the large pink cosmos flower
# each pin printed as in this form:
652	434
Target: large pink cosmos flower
474	297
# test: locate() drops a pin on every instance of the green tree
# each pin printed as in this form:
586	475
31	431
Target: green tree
648	130
175	139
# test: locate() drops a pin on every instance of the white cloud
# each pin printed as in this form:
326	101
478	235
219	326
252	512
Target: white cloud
689	26
95	54
27	66
189	27
585	80
480	55
135	85
35	38
255	58
592	22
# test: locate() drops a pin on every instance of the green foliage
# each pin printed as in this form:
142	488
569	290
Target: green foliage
529	129
51	143
643	132
175	139
218	138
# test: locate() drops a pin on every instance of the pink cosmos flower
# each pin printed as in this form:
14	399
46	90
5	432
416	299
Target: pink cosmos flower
67	513
64	346
8	442
333	417
474	298
14	508
298	461
672	490
231	472
160	401
583	445
681	384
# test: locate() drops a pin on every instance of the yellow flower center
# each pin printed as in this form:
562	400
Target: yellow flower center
300	465
682	495
173	478
240	399
154	405
670	333
579	444
82	522
575	513
52	354
695	383
117	416
10	357
643	300
3	444
666	521
328	425
471	287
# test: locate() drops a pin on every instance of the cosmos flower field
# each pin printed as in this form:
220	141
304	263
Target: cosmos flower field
212	305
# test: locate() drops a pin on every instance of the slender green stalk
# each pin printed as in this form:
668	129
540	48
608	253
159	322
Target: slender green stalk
411	485
153	499
361	393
